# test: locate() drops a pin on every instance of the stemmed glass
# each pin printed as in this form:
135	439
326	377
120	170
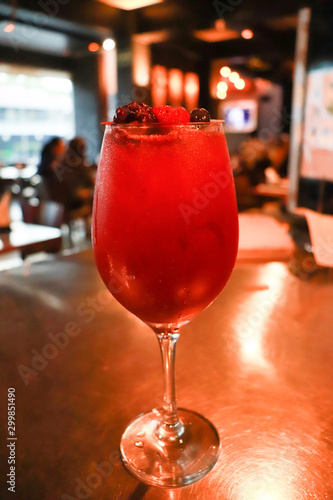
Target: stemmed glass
165	237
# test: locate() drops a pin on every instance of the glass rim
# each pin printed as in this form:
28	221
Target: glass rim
111	125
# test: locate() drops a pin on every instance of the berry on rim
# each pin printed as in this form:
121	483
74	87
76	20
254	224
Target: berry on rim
200	115
170	115
134	112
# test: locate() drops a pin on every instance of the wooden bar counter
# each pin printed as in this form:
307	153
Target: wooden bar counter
258	363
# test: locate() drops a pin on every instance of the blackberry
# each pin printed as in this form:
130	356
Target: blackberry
134	111
200	115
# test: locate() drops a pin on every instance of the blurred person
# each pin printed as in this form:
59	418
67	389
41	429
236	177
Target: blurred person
52	153
66	177
76	175
254	160
278	152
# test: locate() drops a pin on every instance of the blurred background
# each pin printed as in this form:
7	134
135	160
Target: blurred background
265	68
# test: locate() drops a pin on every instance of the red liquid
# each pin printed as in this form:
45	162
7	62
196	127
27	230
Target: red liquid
165	228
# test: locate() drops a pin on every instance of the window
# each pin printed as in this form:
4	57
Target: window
35	105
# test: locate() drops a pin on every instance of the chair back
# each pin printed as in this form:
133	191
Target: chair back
46	213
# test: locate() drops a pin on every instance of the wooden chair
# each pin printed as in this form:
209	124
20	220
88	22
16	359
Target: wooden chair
46	213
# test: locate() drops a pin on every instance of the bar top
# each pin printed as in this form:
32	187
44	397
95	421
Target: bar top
258	363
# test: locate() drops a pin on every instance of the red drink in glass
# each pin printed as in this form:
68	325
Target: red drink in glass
165	228
165	236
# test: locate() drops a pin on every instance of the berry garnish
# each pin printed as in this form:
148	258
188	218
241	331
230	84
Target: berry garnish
170	115
135	111
200	115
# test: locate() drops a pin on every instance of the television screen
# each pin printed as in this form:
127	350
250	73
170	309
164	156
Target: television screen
240	116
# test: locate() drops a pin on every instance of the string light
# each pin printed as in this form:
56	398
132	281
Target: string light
222	86
93	47
240	84
225	71
234	76
221	94
109	44
247	34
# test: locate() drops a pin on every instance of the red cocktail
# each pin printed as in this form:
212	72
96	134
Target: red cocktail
165	236
165	223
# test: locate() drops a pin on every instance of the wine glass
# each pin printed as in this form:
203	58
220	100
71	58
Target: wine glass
165	237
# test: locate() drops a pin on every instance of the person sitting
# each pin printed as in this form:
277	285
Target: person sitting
74	173
254	160
52	153
51	157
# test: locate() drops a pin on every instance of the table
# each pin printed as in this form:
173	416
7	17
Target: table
14	173
258	363
29	238
279	190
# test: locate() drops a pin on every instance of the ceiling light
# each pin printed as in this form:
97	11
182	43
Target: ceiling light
225	71
191	83
222	86
130	4
213	35
220	25
93	47
247	34
240	84
109	44
221	95
234	76
151	37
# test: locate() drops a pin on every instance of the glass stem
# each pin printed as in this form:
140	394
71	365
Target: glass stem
171	427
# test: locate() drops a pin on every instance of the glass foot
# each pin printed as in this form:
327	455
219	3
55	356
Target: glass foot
155	458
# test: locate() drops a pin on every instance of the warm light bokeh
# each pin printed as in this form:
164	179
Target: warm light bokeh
234	76
159	85
221	94
9	28
247	34
191	90
175	87
240	84
130	4
109	44
222	86
93	47
225	71
141	64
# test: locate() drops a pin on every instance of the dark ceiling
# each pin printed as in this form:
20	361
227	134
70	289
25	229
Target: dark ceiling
75	23
171	14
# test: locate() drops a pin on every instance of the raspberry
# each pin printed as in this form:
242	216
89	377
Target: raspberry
134	112
200	115
168	114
